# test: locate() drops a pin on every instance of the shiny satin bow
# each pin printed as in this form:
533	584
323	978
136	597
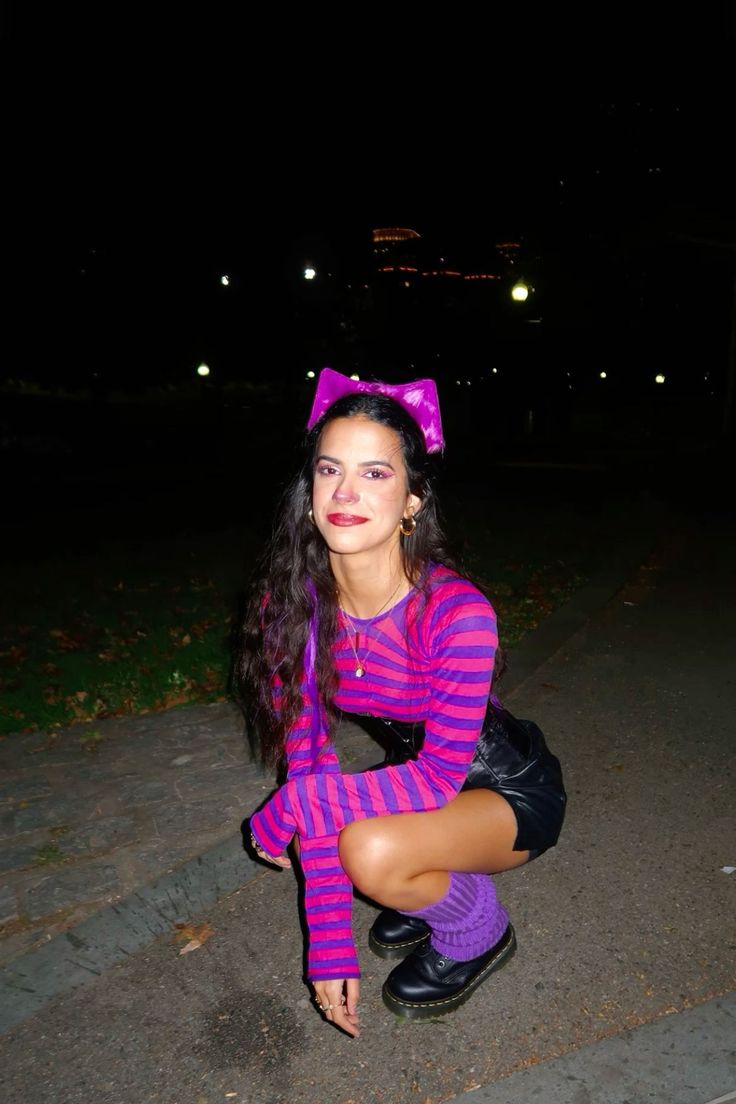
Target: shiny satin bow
418	398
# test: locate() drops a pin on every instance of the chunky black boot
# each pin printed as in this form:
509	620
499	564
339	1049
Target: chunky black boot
430	984
394	935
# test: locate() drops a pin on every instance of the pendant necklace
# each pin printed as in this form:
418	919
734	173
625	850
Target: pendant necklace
360	667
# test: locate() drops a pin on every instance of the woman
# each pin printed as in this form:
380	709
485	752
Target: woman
361	611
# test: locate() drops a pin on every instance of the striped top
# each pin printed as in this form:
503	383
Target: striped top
427	661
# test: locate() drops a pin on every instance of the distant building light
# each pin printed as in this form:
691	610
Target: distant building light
659	379
355	376
495	371
309	273
225	281
457	382
203	369
604	375
394	234
310	375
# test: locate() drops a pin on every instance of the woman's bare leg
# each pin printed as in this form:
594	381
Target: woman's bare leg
402	861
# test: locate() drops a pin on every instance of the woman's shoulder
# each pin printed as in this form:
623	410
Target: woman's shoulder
450	593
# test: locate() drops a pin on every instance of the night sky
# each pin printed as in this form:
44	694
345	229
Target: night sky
147	155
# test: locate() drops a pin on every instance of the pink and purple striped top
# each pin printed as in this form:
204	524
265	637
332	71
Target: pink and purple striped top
428	661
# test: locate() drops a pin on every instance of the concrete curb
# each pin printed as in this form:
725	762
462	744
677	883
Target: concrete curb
120	930
123	928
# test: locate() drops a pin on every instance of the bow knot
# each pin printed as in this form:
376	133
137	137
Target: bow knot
419	399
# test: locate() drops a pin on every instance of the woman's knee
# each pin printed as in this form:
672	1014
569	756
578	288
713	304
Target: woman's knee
368	855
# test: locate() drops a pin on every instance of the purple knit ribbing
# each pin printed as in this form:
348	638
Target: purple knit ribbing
468	920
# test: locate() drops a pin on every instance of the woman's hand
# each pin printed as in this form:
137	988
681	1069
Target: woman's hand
338	1002
280	860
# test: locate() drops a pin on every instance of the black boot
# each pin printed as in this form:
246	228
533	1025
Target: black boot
431	984
394	935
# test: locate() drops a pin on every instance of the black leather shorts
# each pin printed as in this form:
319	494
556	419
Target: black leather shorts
535	790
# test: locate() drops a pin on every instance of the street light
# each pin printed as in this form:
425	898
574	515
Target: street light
309	273
659	379
203	369
520	292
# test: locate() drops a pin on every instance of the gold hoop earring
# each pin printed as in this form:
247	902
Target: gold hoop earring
411	521
310	515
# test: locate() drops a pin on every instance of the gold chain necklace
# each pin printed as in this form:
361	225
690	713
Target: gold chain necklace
360	666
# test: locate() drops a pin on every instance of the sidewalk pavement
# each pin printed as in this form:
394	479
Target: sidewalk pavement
629	920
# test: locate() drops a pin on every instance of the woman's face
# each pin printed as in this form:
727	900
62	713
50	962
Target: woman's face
359	490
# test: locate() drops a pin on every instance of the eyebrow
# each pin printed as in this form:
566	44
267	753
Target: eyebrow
363	463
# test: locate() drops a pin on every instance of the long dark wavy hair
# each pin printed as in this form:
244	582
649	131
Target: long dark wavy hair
295	573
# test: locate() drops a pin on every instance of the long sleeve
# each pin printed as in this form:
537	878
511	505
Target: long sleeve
456	644
328	908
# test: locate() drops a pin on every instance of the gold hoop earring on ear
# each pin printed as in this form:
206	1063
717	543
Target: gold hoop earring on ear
310	515
411	522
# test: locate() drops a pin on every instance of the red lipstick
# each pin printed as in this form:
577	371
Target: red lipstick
345	519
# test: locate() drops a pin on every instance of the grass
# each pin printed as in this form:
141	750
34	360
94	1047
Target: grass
121	647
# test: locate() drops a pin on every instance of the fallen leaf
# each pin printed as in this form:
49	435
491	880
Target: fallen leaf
64	640
195	934
169	700
192	945
13	656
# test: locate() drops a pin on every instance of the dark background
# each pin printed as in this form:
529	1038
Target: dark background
149	154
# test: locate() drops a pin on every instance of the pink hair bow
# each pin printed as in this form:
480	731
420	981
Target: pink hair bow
418	398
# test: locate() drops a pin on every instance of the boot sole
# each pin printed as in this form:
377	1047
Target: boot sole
395	950
409	1010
